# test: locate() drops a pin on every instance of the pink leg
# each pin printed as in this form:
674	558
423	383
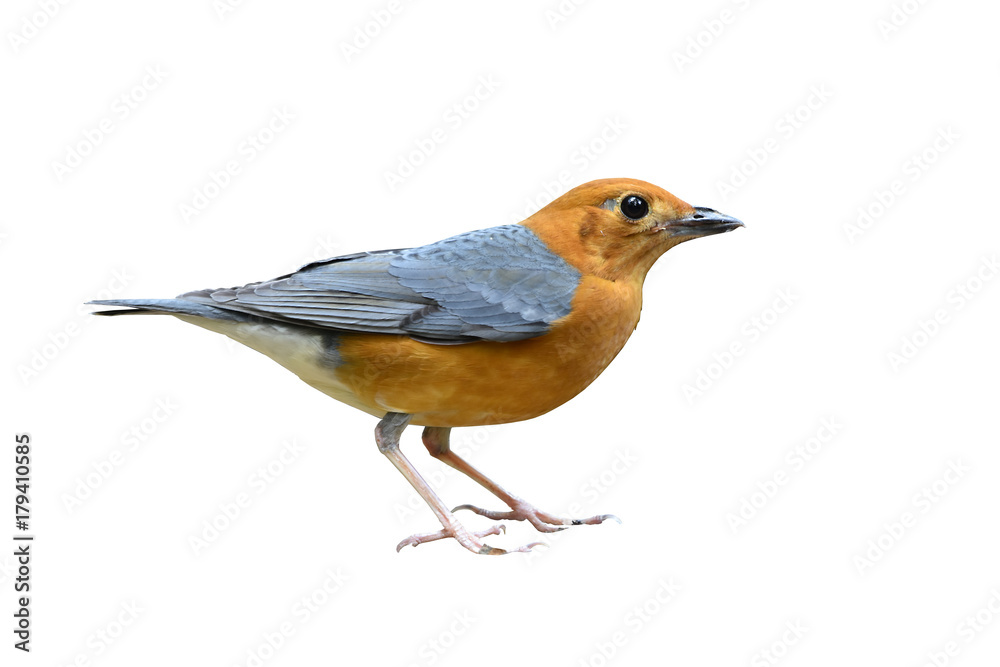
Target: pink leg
436	439
387	435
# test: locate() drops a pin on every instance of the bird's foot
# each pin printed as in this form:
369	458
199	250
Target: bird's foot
542	521
469	540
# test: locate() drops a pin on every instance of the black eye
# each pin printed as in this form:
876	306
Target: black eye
634	207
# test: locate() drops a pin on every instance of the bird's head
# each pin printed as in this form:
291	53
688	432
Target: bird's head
616	228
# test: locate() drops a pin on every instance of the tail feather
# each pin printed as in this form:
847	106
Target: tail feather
167	307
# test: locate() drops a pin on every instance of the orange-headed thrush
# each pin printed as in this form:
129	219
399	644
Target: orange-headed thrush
492	326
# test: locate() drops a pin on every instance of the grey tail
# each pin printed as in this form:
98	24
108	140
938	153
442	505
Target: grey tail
168	307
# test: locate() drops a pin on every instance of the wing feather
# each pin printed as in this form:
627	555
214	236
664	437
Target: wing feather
500	284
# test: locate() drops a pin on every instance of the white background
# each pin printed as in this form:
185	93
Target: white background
816	553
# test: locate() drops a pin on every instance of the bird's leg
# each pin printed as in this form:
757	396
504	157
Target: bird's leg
436	440
387	435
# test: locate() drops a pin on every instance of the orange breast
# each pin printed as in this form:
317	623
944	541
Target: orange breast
488	382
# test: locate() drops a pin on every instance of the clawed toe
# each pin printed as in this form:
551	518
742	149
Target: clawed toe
469	540
542	521
421	538
594	520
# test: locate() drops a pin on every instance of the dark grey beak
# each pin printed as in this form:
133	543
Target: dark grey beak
703	222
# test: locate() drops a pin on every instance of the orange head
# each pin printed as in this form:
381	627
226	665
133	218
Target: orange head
616	228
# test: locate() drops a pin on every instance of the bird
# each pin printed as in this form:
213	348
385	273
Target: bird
491	326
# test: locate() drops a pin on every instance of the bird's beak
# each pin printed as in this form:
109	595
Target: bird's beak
703	222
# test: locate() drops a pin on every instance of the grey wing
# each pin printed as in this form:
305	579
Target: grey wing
499	284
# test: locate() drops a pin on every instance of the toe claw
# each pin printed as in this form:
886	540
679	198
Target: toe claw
520	511
408	542
594	520
468	540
